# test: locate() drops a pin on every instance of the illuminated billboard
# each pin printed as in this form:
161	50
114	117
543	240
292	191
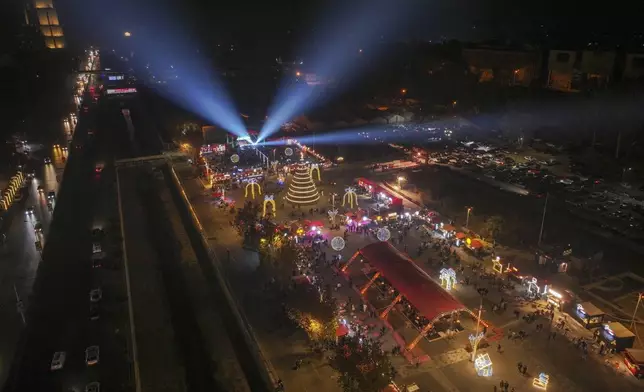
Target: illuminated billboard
127	90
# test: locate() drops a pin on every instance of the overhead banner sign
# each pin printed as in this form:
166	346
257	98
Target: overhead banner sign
113	91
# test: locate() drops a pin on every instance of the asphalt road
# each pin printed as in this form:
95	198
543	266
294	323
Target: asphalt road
58	316
19	254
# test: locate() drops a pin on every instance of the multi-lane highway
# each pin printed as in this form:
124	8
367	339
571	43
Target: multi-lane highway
59	318
19	254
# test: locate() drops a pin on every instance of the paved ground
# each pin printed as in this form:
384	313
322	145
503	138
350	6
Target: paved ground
449	368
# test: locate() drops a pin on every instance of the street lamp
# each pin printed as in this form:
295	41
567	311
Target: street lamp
127	34
403	91
467	220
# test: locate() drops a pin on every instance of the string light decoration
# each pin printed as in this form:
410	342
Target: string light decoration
350	196
252	184
533	287
383	234
542	381
337	243
474	342
269	199
497	265
448	278
483	365
302	189
315	167
332	214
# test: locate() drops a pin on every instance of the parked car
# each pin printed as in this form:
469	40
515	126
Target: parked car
58	361
92	355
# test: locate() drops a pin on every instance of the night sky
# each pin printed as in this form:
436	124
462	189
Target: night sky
284	20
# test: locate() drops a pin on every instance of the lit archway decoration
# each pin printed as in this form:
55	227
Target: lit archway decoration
252	184
350	196
269	199
448	278
315	167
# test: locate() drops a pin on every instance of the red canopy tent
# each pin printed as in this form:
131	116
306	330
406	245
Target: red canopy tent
427	296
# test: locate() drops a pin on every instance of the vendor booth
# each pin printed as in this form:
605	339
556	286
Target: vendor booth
589	315
381	195
559	299
617	336
634	360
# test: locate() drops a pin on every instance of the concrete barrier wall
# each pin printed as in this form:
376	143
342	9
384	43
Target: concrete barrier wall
260	374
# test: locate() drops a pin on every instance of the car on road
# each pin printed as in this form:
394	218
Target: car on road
96	247
99	167
97	262
93	387
47	160
51	195
58	145
41	190
94	312
95	295
38	228
58	361
29	210
92	355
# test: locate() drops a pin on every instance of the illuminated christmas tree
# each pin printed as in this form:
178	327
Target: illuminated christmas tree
302	190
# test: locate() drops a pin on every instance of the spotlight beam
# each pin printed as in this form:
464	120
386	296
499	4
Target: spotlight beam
338	51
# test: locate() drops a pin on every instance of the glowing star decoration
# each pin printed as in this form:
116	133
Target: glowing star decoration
332	214
288	151
448	278
269	199
315	167
383	234
541	382
350	196
483	365
234	158
252	184
337	243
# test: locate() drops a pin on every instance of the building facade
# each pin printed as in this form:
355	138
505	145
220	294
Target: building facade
575	71
504	66
633	66
42	15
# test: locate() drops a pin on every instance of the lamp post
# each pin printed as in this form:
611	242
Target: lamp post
467	219
639	299
478	335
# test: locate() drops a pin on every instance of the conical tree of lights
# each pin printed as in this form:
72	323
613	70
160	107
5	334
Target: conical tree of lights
302	190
